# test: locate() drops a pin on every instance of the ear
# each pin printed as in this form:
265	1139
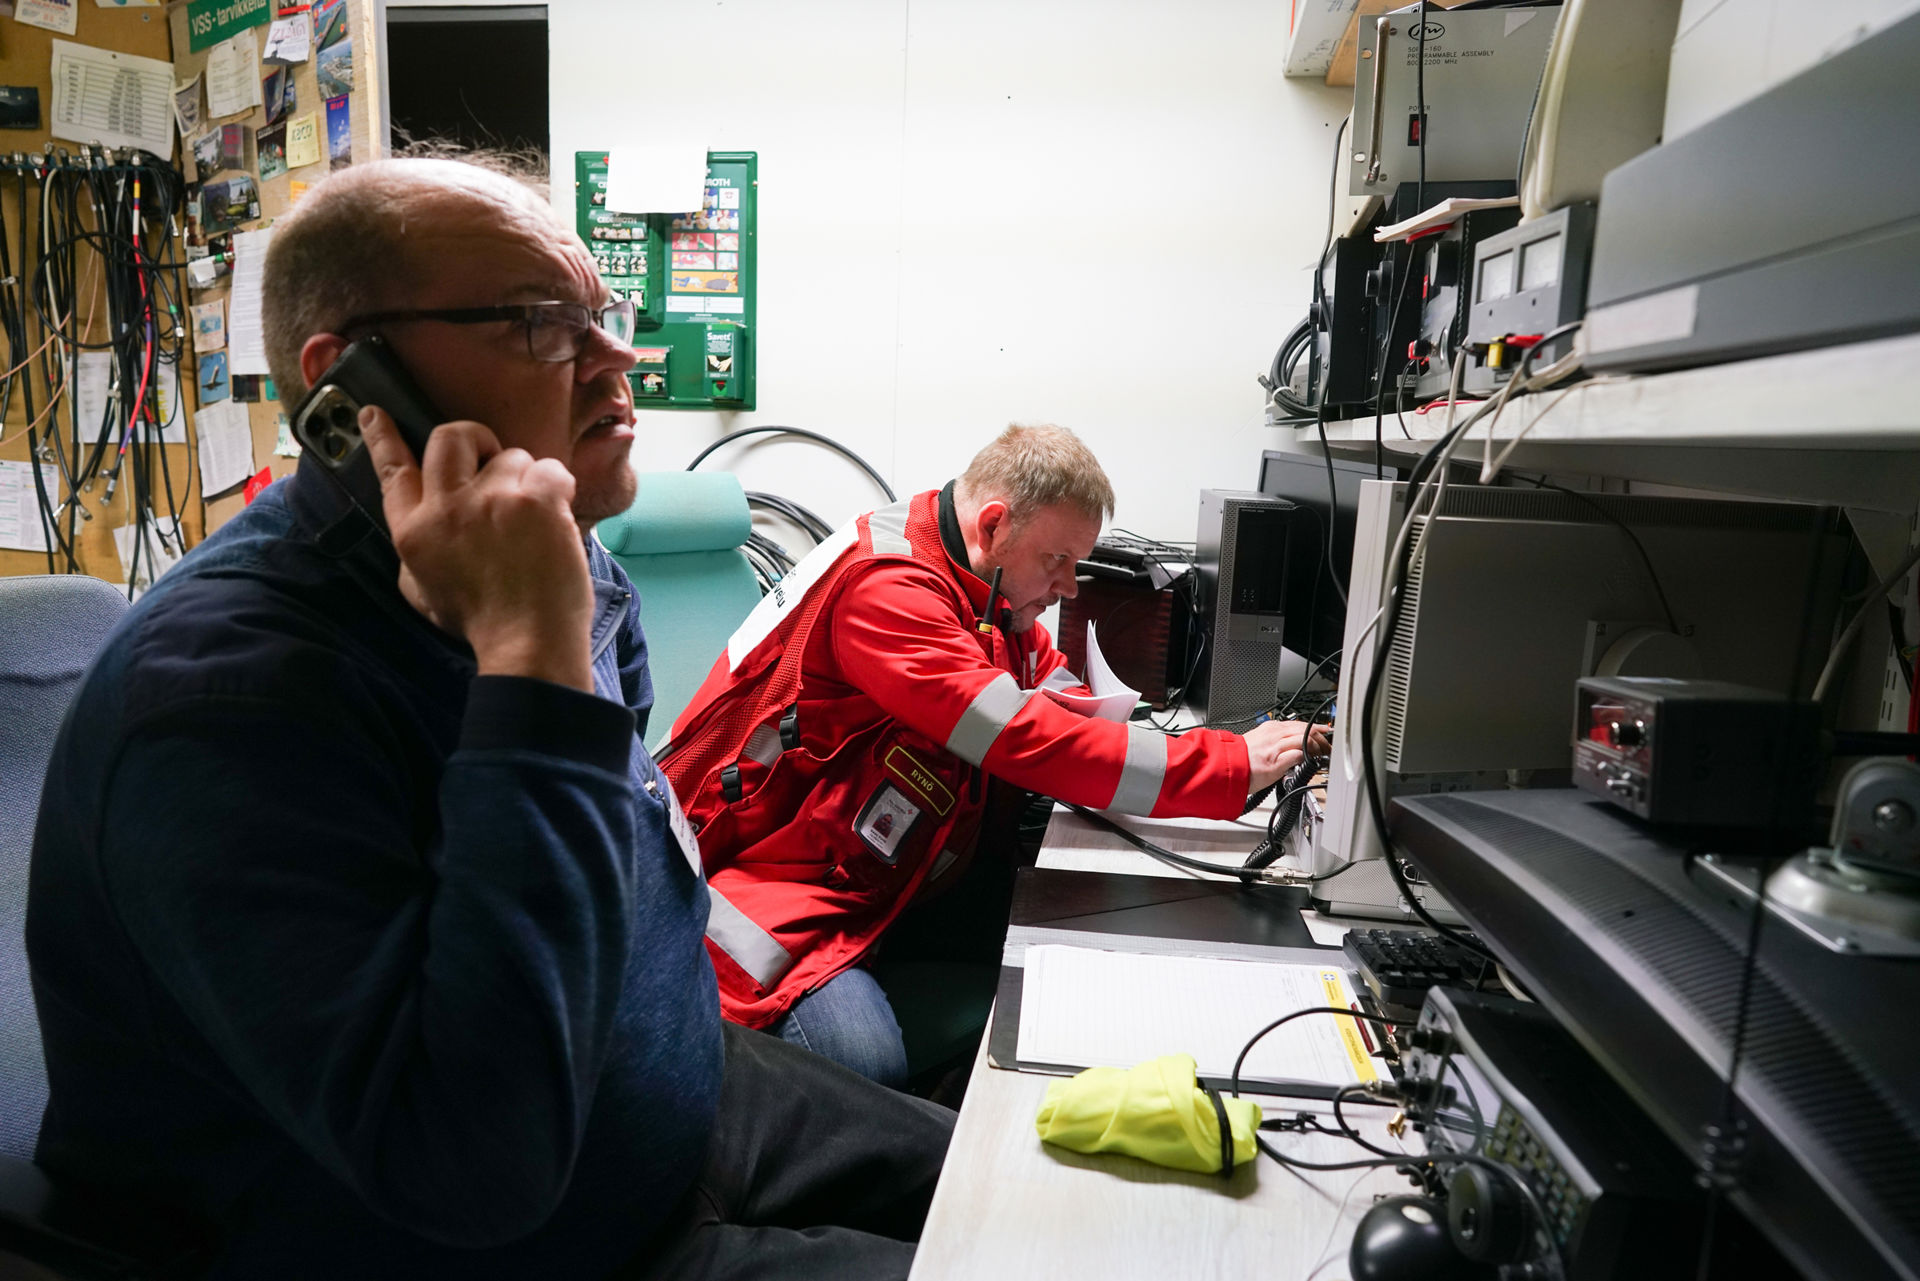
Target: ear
994	522
317	355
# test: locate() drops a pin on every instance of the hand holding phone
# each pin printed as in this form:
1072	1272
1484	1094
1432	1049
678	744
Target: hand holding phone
489	550
327	421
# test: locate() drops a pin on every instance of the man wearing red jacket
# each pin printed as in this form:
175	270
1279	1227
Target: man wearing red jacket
835	760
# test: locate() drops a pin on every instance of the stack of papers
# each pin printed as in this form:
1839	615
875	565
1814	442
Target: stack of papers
1083	1007
1112	699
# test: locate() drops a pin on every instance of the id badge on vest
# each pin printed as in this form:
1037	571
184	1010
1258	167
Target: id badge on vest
677	823
884	822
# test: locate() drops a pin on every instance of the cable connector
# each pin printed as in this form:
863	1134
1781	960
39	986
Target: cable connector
1723	1155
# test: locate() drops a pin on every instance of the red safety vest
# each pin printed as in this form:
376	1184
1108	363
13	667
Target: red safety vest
817	832
821	816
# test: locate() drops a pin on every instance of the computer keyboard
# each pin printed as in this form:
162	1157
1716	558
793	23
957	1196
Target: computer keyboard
1399	966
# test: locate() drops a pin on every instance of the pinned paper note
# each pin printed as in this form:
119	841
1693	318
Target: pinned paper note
21	527
113	98
233	76
333	69
186	107
226	446
1112	699
656	178
303	140
245	337
271	146
55	15
289	38
339	133
209	326
159	550
214	384
92	383
166	395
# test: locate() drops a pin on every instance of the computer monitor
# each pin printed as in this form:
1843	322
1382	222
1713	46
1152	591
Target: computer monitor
1522	592
1315	619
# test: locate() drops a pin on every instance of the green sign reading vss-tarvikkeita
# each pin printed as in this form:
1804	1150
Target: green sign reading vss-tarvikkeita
211	21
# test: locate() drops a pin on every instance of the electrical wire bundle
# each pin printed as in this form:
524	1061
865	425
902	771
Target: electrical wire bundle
1427	492
90	268
771	562
1421	1105
1285	408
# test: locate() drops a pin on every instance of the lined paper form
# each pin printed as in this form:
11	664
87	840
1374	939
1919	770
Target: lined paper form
116	99
246	337
1081	1007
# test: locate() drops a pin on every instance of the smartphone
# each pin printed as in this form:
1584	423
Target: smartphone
327	422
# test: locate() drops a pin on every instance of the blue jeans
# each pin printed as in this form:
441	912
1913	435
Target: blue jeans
849	1021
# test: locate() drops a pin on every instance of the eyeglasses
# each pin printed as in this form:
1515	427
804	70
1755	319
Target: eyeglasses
556	331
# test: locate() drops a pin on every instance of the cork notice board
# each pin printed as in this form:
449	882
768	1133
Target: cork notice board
26	61
157	33
278	193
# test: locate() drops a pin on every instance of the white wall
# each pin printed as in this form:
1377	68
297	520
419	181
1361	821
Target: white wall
974	211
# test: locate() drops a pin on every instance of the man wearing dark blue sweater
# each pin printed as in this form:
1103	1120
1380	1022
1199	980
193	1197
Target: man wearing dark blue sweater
358	920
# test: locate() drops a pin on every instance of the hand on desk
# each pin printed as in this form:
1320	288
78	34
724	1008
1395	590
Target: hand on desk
1274	747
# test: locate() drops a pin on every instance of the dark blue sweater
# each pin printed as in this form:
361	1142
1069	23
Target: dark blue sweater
387	968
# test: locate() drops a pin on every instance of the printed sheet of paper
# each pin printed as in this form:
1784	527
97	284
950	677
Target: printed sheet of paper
55	15
158	551
1112	698
173	418
303	140
246	341
113	98
1080	1007
186	107
656	178
92	381
209	325
289	39
20	527
339	132
233	76
226	446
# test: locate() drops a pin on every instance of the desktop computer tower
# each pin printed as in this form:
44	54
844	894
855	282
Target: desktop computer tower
1241	551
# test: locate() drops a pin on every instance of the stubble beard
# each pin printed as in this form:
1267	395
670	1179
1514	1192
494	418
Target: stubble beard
606	497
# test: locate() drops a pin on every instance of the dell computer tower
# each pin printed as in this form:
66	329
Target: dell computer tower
1241	552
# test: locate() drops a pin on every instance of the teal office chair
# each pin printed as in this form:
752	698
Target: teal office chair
680	544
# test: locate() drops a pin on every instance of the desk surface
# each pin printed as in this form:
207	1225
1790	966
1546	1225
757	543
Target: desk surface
1010	1207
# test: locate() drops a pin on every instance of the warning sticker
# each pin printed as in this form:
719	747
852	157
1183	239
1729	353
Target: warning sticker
1352	1040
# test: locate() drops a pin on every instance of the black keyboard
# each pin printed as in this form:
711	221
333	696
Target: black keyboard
1399	966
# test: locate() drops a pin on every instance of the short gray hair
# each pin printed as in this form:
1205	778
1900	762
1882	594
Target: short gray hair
1029	467
342	251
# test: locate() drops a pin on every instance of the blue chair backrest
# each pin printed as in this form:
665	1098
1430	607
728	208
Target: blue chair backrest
680	544
50	629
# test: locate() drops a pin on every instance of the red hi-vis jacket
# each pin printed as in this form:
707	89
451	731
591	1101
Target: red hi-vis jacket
832	761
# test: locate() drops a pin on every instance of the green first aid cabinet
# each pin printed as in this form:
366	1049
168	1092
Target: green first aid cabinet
693	279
